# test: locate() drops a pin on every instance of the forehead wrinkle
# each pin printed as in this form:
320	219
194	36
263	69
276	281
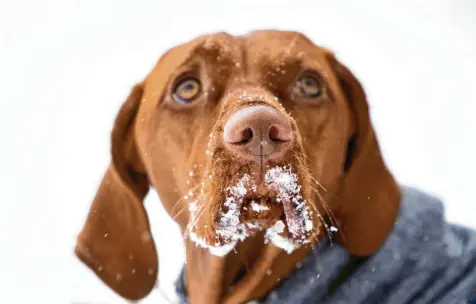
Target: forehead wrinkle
304	60
202	51
280	62
289	56
291	45
290	53
212	45
199	52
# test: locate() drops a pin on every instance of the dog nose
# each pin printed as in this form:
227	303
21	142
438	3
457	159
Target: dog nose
258	131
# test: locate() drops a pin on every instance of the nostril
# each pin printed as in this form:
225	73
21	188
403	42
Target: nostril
257	130
276	135
246	136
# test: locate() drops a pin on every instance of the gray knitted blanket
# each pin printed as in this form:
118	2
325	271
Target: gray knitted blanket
424	260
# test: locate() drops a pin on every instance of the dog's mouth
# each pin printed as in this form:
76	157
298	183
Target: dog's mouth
275	205
261	209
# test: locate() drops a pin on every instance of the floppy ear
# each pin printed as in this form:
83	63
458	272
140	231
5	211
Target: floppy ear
369	199
116	242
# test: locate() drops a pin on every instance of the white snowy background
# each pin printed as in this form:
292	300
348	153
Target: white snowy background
66	66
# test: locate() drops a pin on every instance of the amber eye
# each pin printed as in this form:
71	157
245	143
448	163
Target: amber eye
186	90
308	86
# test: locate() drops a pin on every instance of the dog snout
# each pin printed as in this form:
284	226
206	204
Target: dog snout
258	131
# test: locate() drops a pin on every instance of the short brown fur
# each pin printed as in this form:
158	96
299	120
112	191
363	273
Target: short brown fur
157	143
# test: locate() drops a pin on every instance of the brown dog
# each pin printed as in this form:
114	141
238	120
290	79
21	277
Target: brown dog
258	146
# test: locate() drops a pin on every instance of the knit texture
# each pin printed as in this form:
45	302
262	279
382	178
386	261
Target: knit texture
424	260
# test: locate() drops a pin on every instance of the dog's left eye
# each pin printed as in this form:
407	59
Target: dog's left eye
308	86
187	90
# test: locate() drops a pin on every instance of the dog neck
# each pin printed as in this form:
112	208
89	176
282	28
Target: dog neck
212	279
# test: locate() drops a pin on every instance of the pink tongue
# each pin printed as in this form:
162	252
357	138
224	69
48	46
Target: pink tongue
295	225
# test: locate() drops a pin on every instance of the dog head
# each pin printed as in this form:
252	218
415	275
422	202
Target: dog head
258	146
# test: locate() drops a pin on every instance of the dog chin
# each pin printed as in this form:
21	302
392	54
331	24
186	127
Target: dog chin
273	203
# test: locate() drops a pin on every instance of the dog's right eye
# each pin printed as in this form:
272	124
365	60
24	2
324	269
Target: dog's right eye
186	90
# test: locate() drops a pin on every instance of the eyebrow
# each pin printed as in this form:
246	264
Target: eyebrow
309	61
283	61
201	52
